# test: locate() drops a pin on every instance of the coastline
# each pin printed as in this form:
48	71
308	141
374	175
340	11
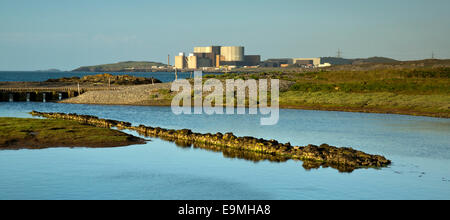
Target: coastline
369	111
309	108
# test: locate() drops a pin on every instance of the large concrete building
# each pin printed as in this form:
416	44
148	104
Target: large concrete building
217	56
229	56
192	61
207	55
232	54
252	60
180	61
315	62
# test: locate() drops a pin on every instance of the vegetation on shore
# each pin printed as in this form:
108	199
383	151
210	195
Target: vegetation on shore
24	133
414	91
370	60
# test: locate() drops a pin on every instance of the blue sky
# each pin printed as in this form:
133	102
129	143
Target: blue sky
67	34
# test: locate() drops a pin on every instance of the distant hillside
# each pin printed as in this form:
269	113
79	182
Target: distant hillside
375	60
412	64
49	70
343	61
129	66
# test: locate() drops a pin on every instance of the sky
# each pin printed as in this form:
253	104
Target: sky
66	34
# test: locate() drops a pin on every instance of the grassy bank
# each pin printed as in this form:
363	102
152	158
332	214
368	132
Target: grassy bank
413	91
377	102
404	81
19	133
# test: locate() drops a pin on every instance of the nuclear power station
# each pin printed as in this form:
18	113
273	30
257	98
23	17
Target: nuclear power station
216	56
219	57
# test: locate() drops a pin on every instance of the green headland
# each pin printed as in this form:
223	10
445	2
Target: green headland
129	66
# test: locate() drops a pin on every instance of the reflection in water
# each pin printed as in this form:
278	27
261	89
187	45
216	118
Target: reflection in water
252	156
422	126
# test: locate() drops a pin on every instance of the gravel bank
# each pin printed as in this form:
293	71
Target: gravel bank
130	95
136	95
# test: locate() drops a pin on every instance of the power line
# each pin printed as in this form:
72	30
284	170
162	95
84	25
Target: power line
339	53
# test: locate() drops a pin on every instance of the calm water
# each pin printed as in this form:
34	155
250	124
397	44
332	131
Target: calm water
418	146
43	76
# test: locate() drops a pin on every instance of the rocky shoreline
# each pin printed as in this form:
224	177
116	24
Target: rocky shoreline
343	159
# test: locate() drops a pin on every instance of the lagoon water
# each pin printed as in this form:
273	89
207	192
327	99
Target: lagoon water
419	148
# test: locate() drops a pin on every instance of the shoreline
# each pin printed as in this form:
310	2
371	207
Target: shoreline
369	111
158	103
